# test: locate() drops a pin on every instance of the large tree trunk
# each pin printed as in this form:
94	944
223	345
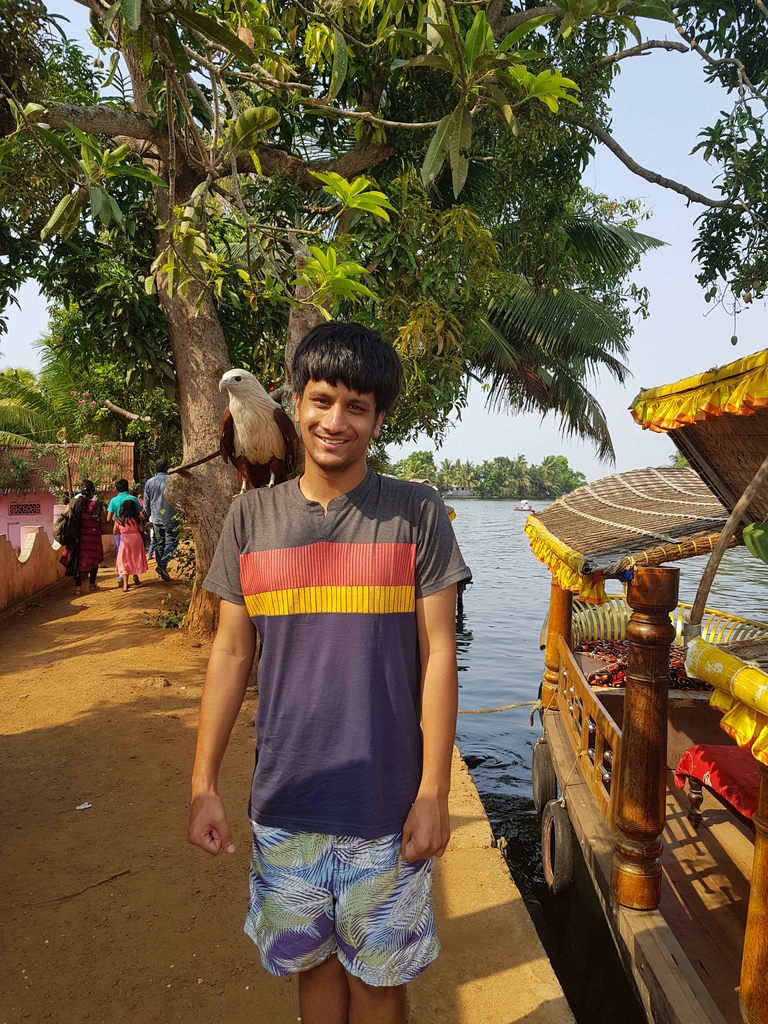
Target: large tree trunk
204	493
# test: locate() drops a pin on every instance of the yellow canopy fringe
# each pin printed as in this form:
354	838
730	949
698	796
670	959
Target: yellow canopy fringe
564	563
741	693
737	389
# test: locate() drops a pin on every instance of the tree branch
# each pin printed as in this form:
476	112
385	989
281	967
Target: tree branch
277	161
111	407
634	51
106	121
503	26
653	176
762	8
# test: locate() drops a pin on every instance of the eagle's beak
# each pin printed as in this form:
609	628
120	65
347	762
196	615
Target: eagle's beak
223	383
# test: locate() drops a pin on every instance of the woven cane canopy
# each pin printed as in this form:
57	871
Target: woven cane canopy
644	517
719	420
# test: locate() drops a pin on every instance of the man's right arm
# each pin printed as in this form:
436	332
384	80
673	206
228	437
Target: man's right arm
229	667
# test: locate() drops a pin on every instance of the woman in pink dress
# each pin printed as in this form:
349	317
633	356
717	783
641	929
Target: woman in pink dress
131	558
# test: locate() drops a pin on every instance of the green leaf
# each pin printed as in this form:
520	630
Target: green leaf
179	54
256	162
250	124
435	158
461	139
59	217
522	30
217	32
128	171
426	60
116	211
114	60
71	219
475	40
109	17
131	10
339	70
656	9
145	50
500	101
97	197
57	143
33	112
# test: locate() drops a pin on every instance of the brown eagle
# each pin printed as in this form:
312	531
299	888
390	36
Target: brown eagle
257	435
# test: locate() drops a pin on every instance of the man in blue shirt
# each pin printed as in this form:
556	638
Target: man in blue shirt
165	522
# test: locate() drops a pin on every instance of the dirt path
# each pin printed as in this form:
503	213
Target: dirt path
84	721
107	915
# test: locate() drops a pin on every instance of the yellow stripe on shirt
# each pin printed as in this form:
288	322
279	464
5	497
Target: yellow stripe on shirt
333	600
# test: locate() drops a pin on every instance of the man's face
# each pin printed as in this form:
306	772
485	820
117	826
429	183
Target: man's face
336	424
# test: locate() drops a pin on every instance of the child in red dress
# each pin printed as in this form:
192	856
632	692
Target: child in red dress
131	558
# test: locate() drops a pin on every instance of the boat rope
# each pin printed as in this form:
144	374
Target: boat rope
568	777
505	707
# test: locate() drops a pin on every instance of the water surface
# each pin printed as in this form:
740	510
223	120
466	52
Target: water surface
500	663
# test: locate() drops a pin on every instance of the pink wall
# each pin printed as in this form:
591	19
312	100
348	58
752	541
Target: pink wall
19	514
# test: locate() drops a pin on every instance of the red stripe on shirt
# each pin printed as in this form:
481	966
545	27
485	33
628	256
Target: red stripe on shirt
330	565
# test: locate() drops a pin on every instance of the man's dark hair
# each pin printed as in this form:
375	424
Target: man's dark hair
121	485
161	466
351	354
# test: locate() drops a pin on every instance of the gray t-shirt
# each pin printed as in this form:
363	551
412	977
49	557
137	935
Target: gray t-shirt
333	598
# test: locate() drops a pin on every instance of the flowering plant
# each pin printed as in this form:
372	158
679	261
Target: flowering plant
15	472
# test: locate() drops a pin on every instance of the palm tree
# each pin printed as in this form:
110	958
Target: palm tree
40	409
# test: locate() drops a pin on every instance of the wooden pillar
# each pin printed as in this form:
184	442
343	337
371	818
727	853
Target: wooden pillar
559	625
640	803
753	993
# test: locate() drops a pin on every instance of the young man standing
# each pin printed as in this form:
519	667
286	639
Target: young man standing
350	580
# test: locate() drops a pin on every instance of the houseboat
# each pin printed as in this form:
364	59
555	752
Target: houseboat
654	754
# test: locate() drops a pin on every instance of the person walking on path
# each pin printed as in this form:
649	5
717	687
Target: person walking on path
131	558
165	523
349	578
113	511
86	550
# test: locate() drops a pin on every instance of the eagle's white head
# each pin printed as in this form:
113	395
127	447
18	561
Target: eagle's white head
244	386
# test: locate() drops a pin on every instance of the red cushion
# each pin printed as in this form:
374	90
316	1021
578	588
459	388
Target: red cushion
731	772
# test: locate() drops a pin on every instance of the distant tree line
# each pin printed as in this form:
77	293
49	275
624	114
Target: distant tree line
498	478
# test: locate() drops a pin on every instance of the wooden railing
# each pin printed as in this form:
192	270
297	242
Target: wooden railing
594	736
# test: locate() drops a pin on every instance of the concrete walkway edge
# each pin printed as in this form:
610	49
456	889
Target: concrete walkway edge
492	968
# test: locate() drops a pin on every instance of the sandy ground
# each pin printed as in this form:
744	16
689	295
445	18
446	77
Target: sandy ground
107	915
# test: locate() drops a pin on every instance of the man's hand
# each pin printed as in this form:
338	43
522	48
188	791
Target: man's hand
208	826
427	829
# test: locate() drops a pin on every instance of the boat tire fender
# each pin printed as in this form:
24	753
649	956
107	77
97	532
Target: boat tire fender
557	848
543	776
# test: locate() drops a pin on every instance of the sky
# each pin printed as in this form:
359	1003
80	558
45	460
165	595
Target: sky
660	103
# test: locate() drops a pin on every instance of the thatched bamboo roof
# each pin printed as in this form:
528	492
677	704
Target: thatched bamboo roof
644	517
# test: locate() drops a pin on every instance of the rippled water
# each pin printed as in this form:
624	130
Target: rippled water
500	663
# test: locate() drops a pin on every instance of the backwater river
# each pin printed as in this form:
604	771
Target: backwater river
500	663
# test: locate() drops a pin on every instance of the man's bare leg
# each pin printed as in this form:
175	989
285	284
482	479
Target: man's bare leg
372	1004
324	994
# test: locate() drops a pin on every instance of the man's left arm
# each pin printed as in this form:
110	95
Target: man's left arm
427	828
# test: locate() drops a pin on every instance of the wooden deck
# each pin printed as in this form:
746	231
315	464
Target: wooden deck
705	893
675	985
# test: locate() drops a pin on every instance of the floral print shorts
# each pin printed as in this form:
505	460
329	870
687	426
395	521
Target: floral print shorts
313	895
